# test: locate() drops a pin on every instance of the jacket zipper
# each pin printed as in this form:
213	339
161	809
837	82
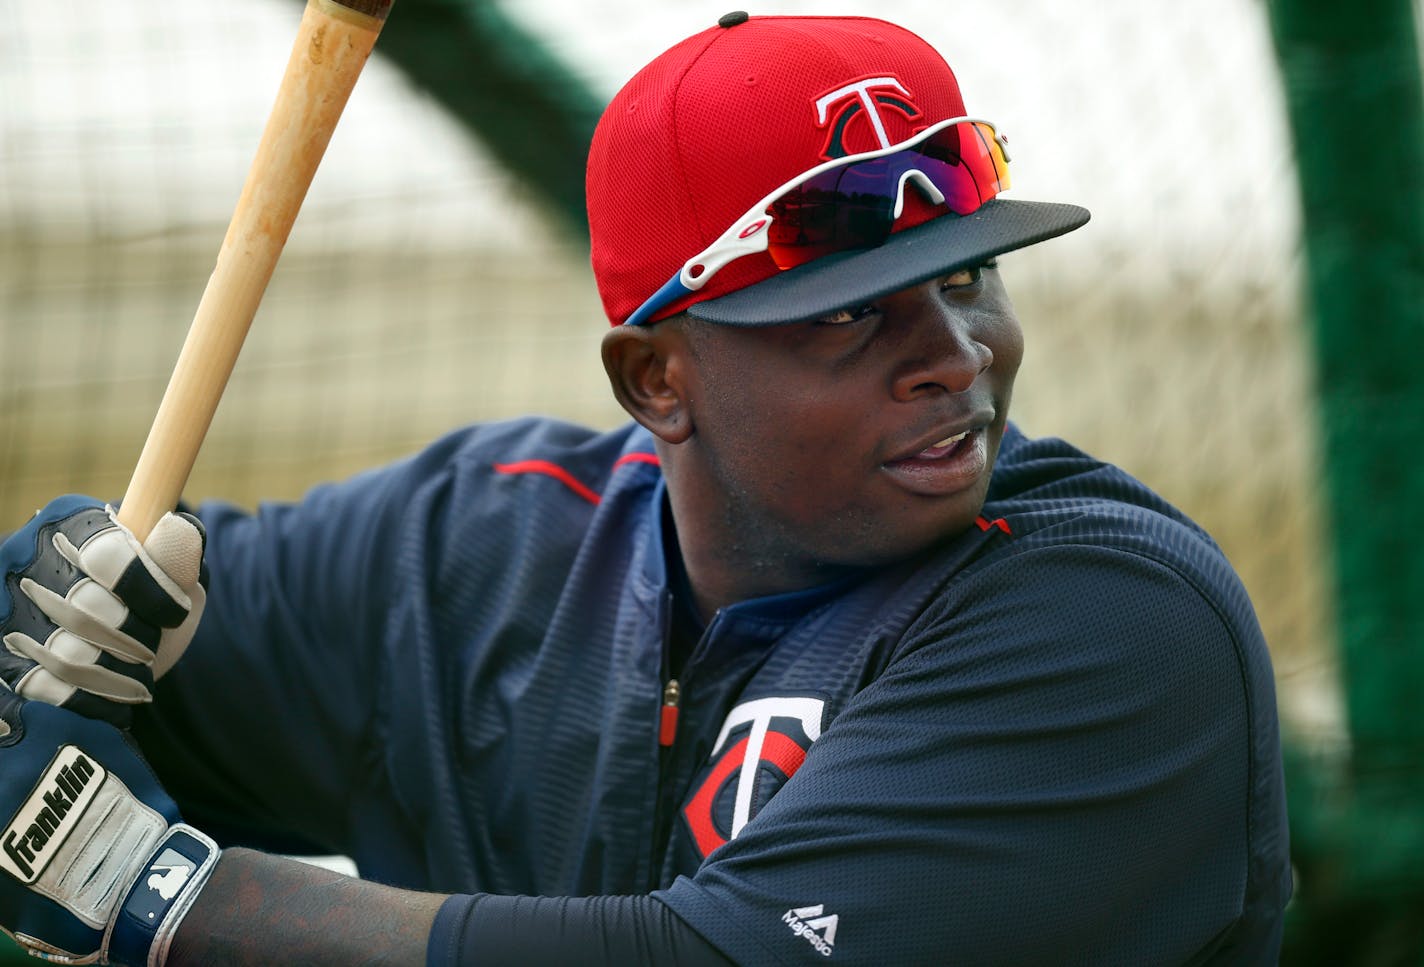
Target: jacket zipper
663	812
667	723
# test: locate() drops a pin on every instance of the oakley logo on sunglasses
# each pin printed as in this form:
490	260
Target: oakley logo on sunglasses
859	99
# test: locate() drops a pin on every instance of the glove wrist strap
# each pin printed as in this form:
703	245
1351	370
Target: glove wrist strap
147	921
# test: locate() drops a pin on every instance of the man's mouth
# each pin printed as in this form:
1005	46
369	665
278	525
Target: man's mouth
943	448
946	467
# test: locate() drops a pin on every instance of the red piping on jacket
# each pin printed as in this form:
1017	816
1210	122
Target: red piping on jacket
567	479
999	522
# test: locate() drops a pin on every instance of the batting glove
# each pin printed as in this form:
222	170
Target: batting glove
97	865
90	617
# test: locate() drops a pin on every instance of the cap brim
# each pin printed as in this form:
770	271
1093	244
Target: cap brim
907	258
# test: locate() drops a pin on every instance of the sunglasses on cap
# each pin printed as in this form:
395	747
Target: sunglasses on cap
851	203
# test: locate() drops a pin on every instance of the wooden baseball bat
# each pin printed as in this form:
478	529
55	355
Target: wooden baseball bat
333	42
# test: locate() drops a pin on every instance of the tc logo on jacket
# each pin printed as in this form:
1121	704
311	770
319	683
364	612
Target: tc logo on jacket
761	745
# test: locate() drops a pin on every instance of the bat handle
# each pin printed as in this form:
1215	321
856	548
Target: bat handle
333	42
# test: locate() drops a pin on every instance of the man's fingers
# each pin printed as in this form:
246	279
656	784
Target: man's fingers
116	560
176	546
95	615
62	667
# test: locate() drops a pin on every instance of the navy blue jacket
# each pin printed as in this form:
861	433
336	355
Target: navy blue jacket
1053	738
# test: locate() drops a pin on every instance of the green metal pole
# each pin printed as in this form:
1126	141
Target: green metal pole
1353	89
507	89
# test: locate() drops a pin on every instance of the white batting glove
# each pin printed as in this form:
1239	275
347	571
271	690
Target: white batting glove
90	617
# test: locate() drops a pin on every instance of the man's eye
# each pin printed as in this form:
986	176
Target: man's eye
962	278
967	277
842	316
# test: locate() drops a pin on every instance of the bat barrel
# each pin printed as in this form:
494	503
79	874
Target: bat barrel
333	42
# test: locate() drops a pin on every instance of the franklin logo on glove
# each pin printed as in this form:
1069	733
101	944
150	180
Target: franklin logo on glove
47	818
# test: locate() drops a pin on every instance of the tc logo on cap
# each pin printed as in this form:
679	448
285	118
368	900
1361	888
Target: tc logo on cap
873	101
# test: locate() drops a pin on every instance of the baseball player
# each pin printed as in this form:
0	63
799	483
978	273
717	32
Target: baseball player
819	659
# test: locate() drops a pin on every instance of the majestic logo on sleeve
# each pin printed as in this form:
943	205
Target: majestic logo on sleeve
815	926
869	114
761	745
42	824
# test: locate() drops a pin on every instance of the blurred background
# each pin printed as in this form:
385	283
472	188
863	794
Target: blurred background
438	275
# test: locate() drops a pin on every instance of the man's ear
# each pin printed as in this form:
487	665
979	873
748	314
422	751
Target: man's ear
647	367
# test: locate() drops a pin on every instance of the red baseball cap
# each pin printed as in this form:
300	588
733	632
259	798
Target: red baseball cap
726	116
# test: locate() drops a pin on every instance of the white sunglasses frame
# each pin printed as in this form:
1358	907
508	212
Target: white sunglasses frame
750	234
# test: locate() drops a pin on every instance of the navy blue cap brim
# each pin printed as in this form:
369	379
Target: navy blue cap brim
907	258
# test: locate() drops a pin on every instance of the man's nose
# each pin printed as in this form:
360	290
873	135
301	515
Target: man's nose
941	353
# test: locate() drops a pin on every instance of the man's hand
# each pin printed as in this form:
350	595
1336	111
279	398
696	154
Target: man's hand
90	617
95	863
